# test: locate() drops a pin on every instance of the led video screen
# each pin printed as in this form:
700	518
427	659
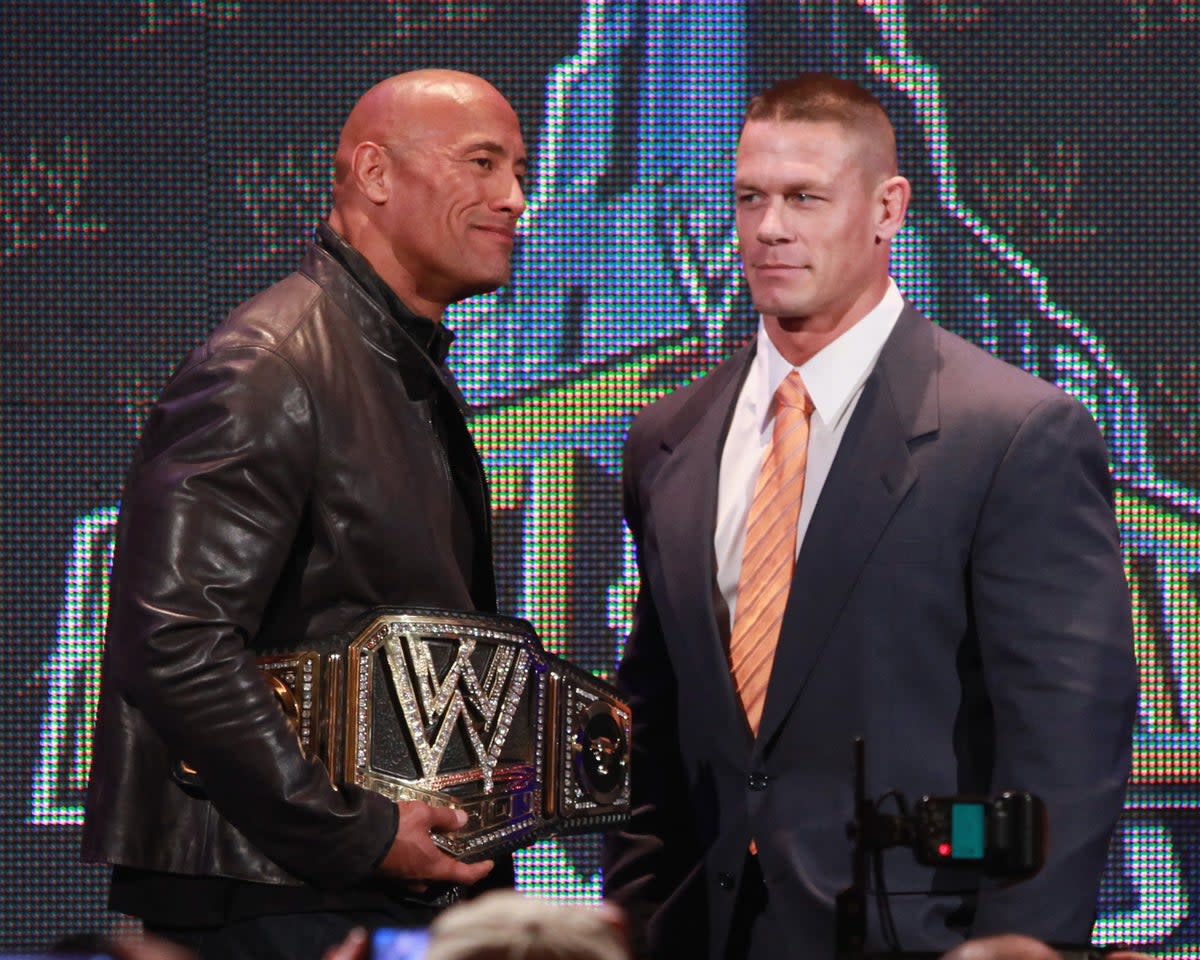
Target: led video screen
161	160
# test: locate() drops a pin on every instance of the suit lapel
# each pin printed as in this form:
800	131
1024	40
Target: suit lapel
871	475
684	498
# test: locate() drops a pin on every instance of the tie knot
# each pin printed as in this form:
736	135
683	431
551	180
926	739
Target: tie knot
791	393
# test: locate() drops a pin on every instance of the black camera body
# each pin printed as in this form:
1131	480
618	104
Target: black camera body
1002	836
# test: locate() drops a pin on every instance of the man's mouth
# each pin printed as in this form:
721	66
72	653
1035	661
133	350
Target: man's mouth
500	230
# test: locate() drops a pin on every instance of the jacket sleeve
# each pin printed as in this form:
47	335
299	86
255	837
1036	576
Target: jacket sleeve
210	515
1052	612
646	863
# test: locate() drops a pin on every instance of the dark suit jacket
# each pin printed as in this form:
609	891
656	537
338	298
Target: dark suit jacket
959	601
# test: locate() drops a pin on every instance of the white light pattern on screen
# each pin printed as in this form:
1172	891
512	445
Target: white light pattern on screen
552	413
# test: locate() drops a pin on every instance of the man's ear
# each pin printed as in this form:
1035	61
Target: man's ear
892	197
370	166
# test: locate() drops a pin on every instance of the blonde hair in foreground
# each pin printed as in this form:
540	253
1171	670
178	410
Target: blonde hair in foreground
504	925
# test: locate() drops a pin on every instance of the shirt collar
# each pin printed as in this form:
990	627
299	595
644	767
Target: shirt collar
836	372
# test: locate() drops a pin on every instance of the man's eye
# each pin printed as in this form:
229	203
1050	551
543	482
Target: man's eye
744	198
484	162
800	197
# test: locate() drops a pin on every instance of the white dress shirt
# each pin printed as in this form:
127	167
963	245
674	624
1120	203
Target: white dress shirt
834	378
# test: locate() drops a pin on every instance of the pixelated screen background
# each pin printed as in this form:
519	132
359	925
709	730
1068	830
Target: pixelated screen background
160	160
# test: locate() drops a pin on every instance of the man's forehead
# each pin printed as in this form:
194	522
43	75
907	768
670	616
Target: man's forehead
868	149
498	139
453	142
779	144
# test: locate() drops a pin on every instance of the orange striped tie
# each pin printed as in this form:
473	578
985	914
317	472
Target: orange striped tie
769	555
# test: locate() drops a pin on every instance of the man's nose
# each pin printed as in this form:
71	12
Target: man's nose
771	228
514	200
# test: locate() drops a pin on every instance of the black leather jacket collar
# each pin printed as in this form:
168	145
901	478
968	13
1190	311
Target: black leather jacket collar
408	338
431	337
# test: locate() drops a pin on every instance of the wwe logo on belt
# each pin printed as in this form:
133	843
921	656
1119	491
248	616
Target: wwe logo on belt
432	705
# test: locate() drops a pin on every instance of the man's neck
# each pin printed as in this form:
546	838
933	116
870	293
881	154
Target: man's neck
432	337
357	232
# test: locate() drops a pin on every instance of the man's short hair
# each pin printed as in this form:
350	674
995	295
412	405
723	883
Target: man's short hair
818	97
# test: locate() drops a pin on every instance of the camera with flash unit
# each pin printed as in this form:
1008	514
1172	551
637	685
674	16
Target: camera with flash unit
1002	837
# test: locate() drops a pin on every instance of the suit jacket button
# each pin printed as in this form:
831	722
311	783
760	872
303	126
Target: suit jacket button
757	781
725	880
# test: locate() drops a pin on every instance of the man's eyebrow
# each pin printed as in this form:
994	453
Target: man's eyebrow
491	146
799	185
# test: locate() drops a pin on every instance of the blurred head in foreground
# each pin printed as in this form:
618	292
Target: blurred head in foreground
504	925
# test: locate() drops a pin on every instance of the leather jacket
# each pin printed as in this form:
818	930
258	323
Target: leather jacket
307	463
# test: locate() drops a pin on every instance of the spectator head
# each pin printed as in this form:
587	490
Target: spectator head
504	925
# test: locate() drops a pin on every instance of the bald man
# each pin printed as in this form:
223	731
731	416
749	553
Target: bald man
308	462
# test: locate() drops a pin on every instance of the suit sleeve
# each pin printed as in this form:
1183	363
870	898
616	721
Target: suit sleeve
1052	613
645	863
209	518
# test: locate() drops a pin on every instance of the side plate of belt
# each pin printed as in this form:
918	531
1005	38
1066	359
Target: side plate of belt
465	710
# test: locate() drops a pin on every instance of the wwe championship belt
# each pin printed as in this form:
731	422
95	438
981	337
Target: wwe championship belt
464	710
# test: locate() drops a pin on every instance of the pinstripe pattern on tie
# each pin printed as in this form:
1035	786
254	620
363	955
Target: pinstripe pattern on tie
769	554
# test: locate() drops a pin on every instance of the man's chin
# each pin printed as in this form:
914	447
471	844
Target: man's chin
774	306
483	285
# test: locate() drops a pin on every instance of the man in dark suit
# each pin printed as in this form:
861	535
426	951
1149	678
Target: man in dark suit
859	524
